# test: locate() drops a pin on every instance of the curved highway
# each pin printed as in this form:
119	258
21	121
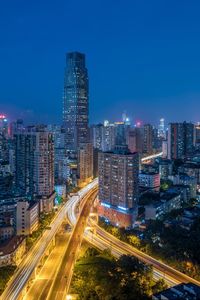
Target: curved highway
102	239
29	263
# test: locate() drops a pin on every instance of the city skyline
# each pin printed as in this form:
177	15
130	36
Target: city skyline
99	150
152	70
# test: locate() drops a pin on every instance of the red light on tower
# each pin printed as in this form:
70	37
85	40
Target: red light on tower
138	123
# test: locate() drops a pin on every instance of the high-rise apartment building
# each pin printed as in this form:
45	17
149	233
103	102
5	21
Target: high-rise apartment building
96	136
75	101
121	133
197	135
180	140
4	151
118	185
34	164
148	139
85	163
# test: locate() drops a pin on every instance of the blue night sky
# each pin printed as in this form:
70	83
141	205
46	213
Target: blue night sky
143	56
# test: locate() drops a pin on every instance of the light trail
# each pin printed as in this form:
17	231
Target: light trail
29	263
102	240
151	156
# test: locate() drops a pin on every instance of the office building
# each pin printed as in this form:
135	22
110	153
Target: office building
118	186
75	101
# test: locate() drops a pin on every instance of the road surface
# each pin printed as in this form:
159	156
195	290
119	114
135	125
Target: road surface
33	257
62	280
102	239
43	281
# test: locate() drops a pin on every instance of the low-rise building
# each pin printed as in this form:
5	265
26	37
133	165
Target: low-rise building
192	169
47	203
6	232
181	291
167	203
184	179
27	217
12	251
149	180
183	190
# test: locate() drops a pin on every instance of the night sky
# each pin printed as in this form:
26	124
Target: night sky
143	56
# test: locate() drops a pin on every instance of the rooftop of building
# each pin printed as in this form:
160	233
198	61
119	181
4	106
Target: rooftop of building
187	291
122	150
165	162
148	173
192	165
168	196
10	245
156	199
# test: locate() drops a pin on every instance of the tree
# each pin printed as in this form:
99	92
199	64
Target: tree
159	286
134	240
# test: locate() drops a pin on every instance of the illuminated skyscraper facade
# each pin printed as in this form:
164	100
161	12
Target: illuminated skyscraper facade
75	102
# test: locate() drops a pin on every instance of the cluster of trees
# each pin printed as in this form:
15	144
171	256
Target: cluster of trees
179	247
44	222
176	246
98	276
5	274
165	185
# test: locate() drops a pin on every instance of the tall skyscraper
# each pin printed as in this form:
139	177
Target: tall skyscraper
180	140
4	152
76	102
161	129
